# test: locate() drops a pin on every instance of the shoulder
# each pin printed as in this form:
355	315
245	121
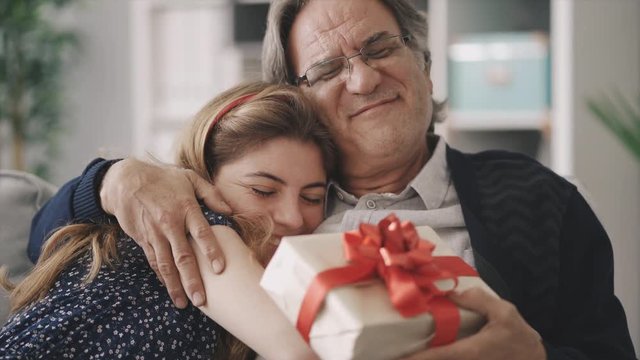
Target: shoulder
505	160
499	168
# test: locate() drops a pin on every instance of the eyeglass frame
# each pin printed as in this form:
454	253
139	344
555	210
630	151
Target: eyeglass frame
299	79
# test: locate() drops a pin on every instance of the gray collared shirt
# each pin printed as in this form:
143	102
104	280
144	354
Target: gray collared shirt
430	199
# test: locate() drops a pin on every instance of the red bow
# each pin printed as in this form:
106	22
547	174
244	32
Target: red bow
414	278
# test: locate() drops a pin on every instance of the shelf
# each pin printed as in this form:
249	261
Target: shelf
498	120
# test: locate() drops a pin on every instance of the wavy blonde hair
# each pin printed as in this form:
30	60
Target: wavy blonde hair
274	111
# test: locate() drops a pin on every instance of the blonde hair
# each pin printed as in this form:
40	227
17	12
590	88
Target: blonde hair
273	111
63	247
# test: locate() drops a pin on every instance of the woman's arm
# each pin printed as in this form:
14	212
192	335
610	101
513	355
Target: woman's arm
236	301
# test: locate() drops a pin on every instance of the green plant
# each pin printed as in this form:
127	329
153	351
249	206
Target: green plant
621	117
32	54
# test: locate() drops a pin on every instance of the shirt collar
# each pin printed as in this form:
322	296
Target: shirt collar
431	184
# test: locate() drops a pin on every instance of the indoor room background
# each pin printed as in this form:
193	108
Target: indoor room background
143	67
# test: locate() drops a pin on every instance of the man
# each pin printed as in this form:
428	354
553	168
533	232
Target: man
528	232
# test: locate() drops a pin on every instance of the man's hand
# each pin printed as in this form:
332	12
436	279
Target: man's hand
158	207
506	336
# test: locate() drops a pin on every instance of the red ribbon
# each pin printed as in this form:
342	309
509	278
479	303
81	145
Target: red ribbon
394	252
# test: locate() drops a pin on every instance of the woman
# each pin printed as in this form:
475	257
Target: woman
93	295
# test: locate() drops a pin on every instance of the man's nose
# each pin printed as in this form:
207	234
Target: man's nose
363	78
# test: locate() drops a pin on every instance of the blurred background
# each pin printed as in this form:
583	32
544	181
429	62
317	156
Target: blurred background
555	79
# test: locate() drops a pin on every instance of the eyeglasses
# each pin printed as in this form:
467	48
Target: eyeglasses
330	69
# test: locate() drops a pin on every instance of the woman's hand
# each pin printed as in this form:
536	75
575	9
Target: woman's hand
157	206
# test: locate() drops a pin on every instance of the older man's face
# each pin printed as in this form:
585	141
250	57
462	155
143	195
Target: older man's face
381	109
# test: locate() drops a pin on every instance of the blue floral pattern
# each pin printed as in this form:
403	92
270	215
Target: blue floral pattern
125	313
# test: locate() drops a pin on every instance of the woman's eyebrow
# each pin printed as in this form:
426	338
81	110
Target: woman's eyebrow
319	184
267	175
264	174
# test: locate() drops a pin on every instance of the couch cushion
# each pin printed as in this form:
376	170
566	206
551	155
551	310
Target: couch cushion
21	195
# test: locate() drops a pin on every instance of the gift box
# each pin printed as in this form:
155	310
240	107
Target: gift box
358	296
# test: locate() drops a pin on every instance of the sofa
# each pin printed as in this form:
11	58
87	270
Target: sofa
21	195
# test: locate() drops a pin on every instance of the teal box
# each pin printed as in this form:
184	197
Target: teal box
500	73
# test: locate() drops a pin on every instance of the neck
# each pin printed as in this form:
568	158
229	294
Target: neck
382	176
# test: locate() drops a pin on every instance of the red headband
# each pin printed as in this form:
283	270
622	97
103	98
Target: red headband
239	101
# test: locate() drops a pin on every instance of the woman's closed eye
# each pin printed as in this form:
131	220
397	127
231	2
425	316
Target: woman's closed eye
313	199
262	192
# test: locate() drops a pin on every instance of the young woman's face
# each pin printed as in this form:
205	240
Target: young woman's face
283	179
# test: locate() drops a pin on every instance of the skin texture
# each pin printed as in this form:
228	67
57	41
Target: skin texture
379	114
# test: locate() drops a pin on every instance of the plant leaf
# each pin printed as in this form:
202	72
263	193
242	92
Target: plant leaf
622	122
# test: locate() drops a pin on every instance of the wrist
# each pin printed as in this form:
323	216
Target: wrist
104	179
86	201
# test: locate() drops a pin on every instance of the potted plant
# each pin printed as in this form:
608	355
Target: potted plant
621	117
32	54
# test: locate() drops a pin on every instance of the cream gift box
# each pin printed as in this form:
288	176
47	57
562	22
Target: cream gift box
357	321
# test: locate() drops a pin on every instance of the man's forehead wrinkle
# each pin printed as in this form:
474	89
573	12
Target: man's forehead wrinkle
335	40
338	30
322	44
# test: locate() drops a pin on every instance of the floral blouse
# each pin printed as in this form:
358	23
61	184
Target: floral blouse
124	313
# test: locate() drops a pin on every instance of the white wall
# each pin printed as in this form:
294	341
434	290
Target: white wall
606	50
97	89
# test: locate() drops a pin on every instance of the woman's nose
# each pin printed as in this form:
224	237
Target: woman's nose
287	214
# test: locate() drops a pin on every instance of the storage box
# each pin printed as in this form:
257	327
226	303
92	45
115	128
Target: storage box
357	321
499	75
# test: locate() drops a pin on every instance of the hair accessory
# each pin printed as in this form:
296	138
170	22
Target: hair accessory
239	101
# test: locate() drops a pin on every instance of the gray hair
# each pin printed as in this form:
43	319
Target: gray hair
282	13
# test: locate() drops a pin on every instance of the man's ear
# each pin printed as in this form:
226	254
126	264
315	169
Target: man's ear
427	74
426	67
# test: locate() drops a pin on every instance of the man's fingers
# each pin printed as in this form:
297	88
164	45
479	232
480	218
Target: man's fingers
151	259
209	194
203	236
479	301
187	265
169	272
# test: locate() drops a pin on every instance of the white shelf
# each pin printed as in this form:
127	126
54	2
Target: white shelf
481	130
